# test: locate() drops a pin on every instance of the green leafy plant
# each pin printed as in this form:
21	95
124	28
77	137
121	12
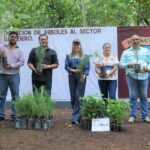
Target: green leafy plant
26	106
96	54
93	107
44	103
117	110
37	105
96	107
83	62
81	66
40	54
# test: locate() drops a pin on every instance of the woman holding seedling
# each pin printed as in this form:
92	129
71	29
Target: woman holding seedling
106	68
77	65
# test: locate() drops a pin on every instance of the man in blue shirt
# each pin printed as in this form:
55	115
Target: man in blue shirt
136	62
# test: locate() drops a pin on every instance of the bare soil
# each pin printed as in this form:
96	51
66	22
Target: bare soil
65	136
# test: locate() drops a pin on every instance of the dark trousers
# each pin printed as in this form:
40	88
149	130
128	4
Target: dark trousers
77	90
38	84
108	88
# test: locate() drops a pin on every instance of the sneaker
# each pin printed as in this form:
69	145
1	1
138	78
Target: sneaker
131	120
75	122
147	119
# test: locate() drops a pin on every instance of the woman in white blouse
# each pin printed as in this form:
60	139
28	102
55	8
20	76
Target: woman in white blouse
106	68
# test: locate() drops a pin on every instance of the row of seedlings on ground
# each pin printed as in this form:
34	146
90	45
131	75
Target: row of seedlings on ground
34	111
96	107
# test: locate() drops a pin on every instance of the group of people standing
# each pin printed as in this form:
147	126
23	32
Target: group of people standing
105	66
14	59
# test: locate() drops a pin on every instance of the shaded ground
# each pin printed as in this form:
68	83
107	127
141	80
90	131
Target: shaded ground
64	136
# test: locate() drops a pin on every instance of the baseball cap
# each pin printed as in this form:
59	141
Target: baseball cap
76	41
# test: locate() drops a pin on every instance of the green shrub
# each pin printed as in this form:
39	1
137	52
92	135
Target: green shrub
44	103
93	107
117	110
25	105
40	53
37	105
83	62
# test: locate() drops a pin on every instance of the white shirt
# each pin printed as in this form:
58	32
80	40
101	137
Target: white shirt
108	62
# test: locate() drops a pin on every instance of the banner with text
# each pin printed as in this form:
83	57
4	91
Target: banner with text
60	39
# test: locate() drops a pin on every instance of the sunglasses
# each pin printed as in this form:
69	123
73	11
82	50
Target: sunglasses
76	44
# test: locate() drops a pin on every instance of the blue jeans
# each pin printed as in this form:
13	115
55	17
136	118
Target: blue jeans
11	81
108	88
138	88
77	90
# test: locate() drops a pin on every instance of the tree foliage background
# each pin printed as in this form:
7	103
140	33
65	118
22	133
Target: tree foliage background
68	13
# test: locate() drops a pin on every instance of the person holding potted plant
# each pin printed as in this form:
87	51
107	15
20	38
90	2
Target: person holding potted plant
136	62
77	65
42	61
11	59
106	68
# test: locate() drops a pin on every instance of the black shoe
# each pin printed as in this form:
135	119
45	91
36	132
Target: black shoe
13	117
2	118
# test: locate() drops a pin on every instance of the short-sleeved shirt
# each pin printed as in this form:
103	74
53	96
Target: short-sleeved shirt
50	58
109	62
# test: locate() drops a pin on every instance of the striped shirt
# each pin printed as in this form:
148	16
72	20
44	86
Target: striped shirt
138	55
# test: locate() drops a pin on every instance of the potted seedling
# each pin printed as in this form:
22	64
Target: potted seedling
34	111
45	106
40	54
81	66
37	121
103	71
102	67
4	58
31	107
91	107
25	107
21	120
117	111
19	109
47	114
39	102
137	68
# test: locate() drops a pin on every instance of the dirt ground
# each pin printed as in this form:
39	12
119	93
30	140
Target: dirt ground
64	136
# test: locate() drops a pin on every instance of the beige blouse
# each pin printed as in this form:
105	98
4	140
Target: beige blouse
109	62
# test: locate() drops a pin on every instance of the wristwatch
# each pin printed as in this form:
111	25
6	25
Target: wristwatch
49	67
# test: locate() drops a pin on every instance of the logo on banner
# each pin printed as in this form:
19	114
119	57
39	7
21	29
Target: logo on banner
145	41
